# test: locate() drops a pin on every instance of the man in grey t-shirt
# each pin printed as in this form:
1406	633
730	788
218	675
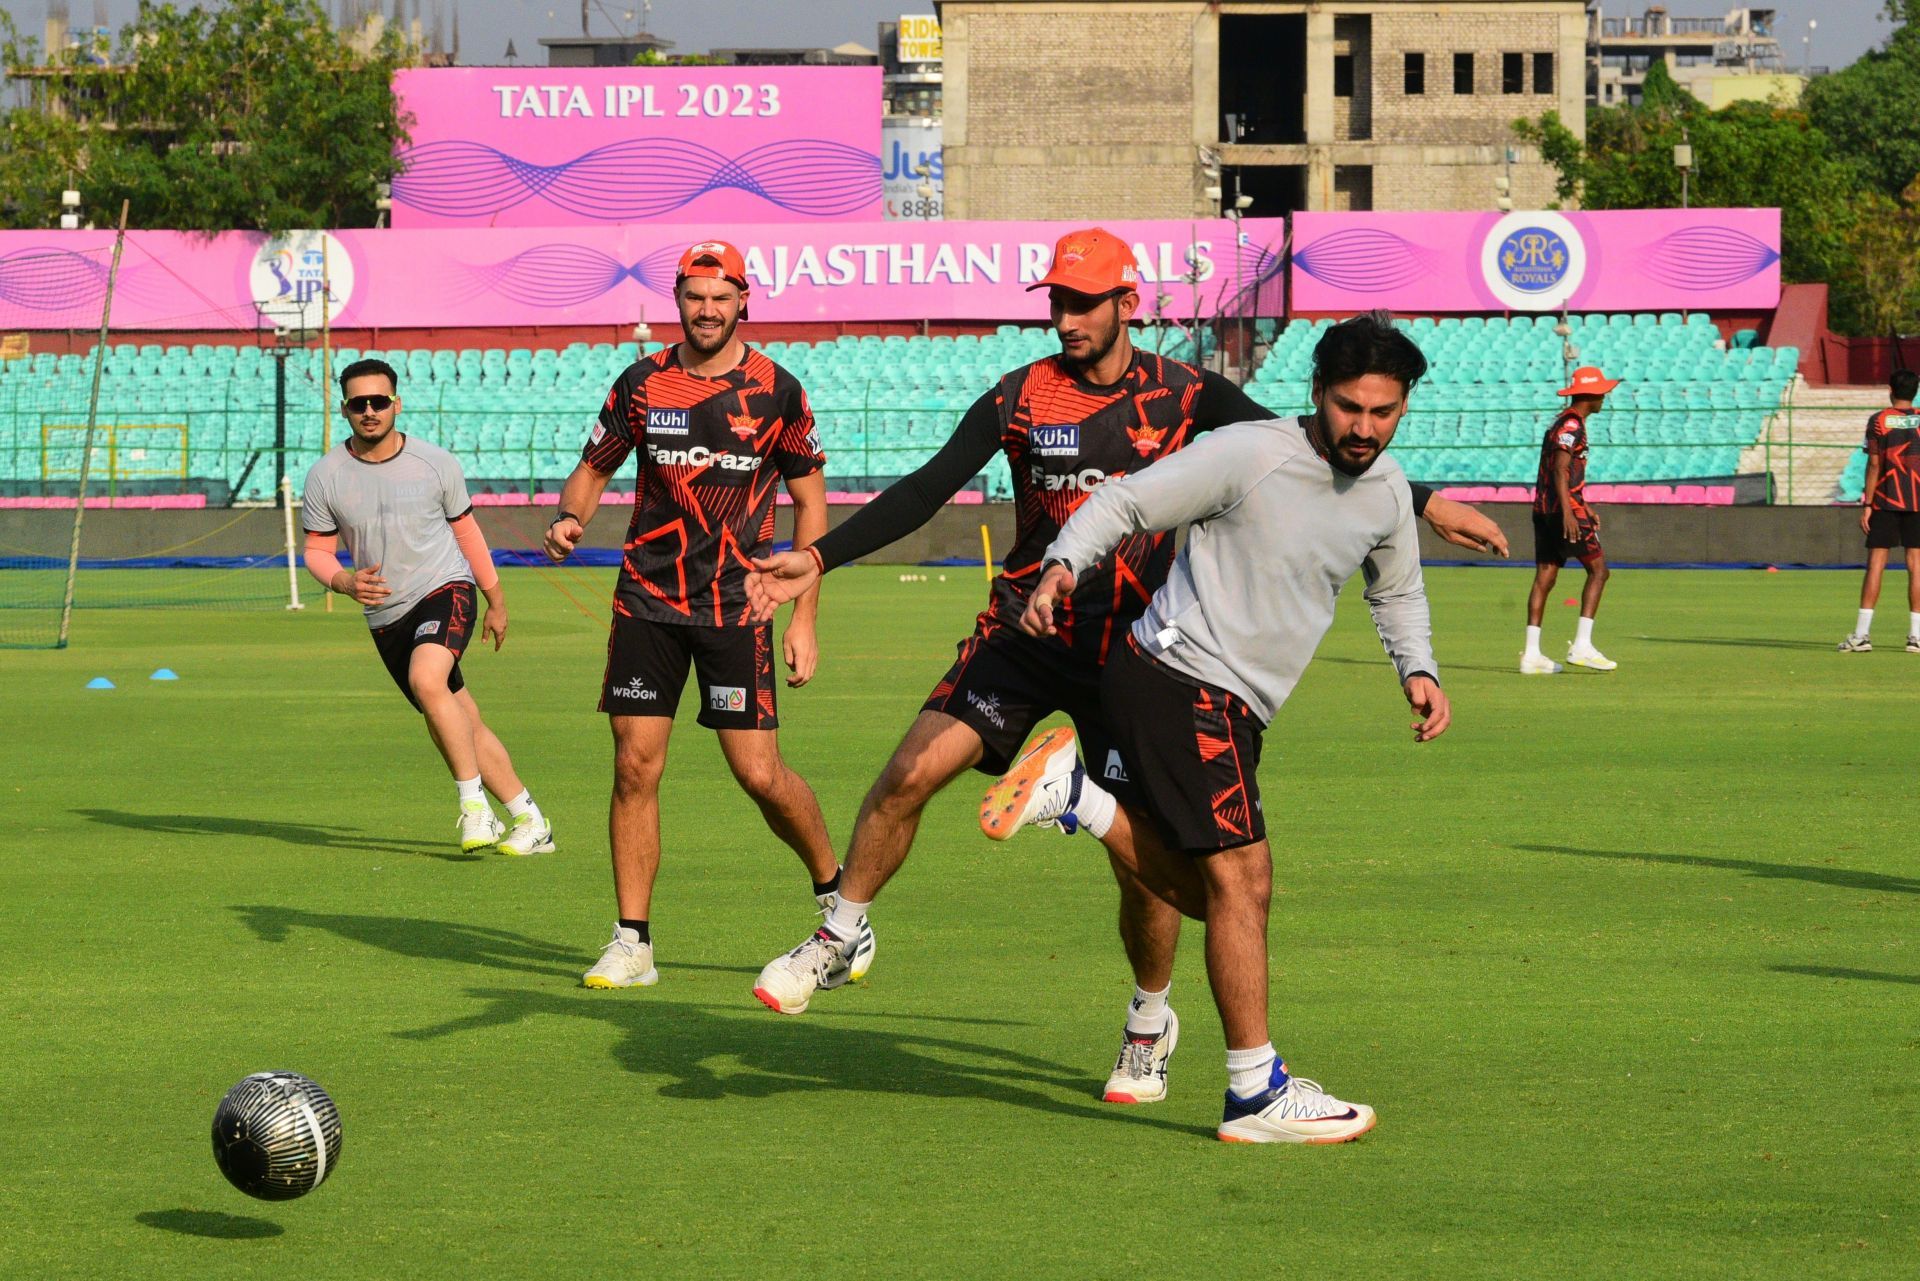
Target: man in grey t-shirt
401	506
1281	514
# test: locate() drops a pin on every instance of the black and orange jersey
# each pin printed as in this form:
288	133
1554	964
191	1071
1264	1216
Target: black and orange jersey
1568	435
1894	435
712	450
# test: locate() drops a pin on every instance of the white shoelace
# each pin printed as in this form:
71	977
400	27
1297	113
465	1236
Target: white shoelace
1305	1098
1136	1057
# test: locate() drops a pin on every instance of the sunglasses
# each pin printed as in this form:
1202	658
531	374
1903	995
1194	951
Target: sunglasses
361	404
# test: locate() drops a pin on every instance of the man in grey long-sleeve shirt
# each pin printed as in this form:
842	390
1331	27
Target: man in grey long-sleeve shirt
1281	514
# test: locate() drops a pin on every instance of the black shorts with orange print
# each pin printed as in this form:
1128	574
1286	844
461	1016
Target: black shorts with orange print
647	665
1194	749
444	616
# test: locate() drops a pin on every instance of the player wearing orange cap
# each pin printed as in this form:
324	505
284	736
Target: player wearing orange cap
718	426
1098	410
1565	528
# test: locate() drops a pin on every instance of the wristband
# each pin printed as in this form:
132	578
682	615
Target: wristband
566	515
819	562
1061	561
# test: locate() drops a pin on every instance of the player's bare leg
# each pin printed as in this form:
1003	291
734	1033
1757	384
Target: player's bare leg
1876	571
1860	640
528	831
1913	600
1152	897
936	750
633	835
1583	652
1532	661
428	670
786	802
633	817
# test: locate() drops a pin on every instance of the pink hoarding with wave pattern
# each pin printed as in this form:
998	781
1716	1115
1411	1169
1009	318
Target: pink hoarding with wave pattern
592	146
1610	260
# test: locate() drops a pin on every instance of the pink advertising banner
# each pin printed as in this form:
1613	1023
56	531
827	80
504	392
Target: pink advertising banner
1611	260
592	146
858	271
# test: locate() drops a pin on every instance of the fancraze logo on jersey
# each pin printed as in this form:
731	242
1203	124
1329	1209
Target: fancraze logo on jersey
700	456
669	422
1082	481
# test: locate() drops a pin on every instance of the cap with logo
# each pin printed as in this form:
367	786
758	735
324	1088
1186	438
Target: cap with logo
1093	261
1588	381
713	260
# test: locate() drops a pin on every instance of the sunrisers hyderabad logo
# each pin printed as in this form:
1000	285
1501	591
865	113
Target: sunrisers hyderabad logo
1146	439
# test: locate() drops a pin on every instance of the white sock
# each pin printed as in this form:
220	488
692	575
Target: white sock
523	804
1913	624
1533	642
1248	1071
1095	808
844	921
1865	625
1583	633
1147	1012
470	790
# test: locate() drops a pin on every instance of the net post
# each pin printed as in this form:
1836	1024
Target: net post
293	571
93	419
326	372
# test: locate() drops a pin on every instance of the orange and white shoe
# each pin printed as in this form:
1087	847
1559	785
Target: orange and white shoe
1140	1073
1293	1109
1038	789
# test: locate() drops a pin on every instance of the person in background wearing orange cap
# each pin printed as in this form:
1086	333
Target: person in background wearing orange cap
1565	528
1098	410
718	426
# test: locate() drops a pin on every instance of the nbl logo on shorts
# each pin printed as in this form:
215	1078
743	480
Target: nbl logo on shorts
669	422
429	628
1062	441
726	698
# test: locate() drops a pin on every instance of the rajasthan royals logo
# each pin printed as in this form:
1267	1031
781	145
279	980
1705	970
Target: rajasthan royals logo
1533	259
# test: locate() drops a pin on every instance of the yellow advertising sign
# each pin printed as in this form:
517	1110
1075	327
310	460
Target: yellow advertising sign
919	37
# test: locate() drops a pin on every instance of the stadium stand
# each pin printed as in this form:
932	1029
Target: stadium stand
201	419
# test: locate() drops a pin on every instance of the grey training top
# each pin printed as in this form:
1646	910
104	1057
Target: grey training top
394	514
1276	532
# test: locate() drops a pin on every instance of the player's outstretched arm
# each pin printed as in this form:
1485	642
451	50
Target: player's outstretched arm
473	545
579	500
1465	526
1429	702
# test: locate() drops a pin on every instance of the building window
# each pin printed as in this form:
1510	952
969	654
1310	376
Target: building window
1463	73
1543	73
1416	82
1513	73
1343	75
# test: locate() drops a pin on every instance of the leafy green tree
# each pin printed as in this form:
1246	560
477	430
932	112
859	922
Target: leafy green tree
251	114
1871	110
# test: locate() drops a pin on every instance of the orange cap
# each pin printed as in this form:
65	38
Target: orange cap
1093	261
1589	381
723	262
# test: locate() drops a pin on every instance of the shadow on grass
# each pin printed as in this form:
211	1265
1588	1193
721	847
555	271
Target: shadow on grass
1740	642
1837	972
1841	876
317	835
210	1223
426	940
706	1053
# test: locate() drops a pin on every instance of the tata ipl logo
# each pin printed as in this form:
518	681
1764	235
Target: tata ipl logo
1533	259
296	277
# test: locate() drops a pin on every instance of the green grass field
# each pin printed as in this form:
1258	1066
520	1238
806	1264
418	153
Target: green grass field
1627	964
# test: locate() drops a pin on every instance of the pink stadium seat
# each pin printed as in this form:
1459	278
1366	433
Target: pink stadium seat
1690	494
1512	494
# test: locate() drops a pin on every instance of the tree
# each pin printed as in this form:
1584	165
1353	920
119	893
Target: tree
1871	110
1883	240
252	114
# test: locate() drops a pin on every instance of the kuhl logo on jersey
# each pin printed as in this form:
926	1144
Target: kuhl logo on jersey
669	422
1062	441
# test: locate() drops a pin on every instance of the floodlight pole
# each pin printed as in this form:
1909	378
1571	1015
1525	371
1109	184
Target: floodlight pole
281	350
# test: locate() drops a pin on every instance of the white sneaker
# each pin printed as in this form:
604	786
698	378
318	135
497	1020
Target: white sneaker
1038	789
1140	1073
1913	644
1538	665
1293	1109
1589	657
788	982
479	829
1858	644
864	947
528	836
625	962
